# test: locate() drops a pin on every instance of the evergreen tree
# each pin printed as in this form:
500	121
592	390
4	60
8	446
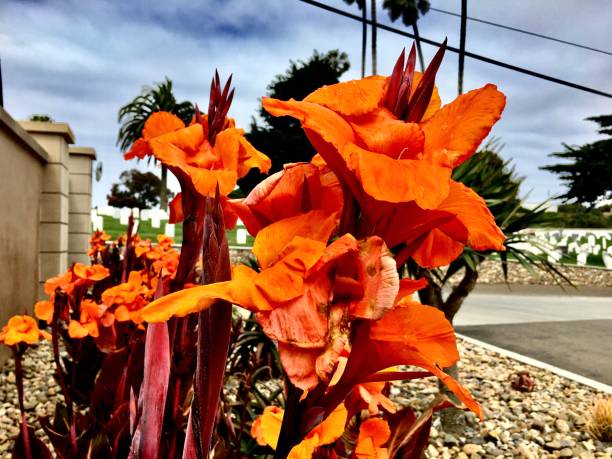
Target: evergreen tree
588	172
282	139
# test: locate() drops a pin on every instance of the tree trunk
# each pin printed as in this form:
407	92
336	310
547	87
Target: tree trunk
454	301
452	419
364	38
163	192
373	14
462	46
417	39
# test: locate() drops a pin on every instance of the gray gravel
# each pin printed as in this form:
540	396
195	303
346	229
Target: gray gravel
546	423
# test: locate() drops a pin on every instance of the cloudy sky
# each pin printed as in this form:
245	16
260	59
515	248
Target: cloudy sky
79	61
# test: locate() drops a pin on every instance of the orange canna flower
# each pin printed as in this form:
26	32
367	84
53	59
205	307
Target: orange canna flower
373	434
297	189
22	329
190	154
128	297
97	243
62	281
389	142
304	294
266	429
93	273
92	313
410	334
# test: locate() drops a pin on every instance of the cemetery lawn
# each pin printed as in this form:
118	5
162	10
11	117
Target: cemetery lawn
146	231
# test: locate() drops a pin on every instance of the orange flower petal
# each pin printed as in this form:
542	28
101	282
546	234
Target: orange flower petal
298	188
412	180
354	97
266	428
418	335
472	211
299	365
373	433
76	330
272	240
160	123
176	209
381	133
454	132
44	311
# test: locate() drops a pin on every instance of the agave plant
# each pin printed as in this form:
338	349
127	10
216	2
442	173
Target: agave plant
496	181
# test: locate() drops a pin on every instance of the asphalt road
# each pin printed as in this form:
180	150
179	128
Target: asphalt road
570	332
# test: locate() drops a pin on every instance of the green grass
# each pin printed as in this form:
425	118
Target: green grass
146	231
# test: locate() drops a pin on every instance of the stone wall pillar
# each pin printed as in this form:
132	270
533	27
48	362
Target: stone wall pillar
54	203
79	214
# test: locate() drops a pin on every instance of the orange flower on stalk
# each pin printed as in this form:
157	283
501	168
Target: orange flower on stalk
297	189
266	429
210	151
390	143
304	294
410	334
128	297
66	283
90	273
91	313
97	243
373	434
22	329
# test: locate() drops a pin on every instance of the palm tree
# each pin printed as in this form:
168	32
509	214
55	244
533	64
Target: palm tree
373	14
361	4
462	45
409	11
134	114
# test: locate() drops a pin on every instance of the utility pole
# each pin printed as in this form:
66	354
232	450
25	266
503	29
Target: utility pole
1	94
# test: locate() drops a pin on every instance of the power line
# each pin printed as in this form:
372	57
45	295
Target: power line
477	57
514	29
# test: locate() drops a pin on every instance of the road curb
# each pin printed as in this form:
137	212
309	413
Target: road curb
539	364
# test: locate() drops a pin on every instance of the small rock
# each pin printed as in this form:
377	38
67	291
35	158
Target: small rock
471	448
553	445
562	426
566	452
525	452
432	451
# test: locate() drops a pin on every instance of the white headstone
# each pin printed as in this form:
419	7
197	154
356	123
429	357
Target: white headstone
581	258
155	222
145	214
136	212
607	259
135	227
591	239
97	223
169	230
241	236
124	215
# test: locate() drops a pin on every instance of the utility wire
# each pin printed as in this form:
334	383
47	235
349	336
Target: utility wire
477	57
514	29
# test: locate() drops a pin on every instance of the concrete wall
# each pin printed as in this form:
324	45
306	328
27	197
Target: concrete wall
55	192
79	219
22	167
45	202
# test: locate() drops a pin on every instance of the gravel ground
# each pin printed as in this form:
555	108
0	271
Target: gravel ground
490	272
546	423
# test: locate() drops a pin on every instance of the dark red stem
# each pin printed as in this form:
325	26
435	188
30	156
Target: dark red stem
18	353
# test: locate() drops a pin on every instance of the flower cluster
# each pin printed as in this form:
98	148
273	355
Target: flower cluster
330	239
331	234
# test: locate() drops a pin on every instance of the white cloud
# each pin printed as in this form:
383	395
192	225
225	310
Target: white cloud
80	61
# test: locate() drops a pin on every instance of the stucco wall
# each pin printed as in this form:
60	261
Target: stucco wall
22	162
79	226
